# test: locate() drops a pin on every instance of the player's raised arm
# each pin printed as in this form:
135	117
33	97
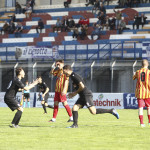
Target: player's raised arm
32	85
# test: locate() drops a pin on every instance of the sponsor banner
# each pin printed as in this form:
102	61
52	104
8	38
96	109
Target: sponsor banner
130	101
146	49
36	52
18	98
101	100
108	100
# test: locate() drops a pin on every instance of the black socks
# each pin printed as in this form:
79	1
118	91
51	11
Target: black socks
17	117
101	111
75	117
44	107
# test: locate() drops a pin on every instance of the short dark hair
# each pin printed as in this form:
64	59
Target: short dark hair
67	67
60	60
18	70
40	77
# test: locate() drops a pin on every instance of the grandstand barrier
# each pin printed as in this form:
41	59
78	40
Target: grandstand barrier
101	100
100	50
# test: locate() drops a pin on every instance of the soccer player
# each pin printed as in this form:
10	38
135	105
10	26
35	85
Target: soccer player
60	90
44	89
26	96
10	95
85	97
142	91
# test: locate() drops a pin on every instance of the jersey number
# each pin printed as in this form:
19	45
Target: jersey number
10	83
143	76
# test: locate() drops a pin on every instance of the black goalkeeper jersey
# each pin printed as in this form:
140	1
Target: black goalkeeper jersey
76	79
42	86
13	87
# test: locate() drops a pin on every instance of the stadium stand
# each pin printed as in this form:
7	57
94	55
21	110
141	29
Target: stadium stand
49	15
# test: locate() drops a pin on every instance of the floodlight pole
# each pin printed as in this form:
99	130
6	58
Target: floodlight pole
72	65
92	70
16	65
133	67
112	75
34	74
51	76
134	64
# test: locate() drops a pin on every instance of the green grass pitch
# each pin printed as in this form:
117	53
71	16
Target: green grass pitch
99	132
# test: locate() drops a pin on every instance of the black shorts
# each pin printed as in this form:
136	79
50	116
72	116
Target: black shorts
26	95
13	104
86	100
46	97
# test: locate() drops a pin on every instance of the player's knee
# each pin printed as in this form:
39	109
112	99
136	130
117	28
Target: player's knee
42	102
46	104
75	108
20	109
64	103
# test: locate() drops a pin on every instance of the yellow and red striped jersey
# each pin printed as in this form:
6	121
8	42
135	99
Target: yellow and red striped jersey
143	83
60	81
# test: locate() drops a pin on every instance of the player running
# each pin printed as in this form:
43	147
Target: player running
142	91
10	95
26	96
44	89
85	97
60	90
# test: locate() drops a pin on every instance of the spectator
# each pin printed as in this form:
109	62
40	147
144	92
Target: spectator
129	3
96	6
18	30
102	9
32	3
107	23
5	27
112	23
90	2
97	28
28	11
122	3
71	23
137	21
83	32
65	24
102	19
40	26
13	18
58	25
11	27
80	22
122	27
75	32
118	18
136	3
143	19
107	2
86	21
18	8
66	4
